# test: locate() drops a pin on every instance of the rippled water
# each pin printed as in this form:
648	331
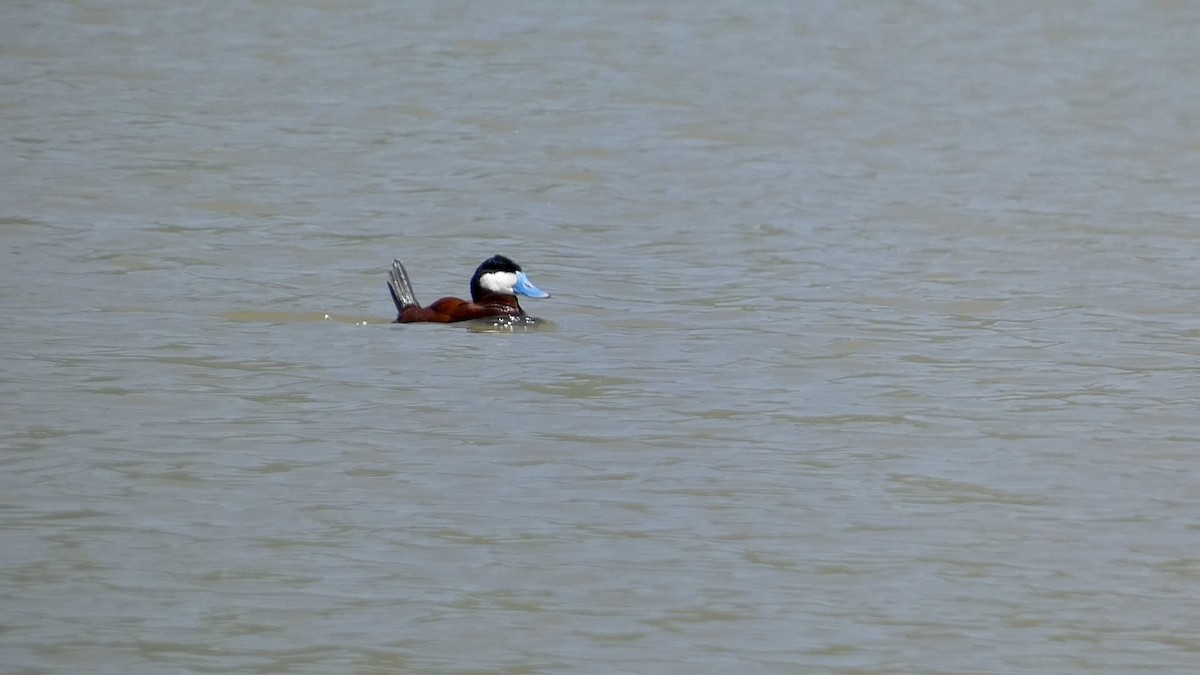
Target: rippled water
872	348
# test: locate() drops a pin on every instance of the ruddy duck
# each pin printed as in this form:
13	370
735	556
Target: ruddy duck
494	290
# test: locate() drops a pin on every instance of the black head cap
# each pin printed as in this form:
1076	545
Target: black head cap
496	263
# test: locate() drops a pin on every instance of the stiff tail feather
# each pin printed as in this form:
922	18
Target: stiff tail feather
400	288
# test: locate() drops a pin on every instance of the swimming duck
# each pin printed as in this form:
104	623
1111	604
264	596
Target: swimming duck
494	290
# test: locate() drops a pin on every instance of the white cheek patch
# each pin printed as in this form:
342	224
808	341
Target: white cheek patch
499	282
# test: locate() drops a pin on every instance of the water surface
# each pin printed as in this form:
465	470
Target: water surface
872	348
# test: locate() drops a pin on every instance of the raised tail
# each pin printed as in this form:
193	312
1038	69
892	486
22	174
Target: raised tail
400	288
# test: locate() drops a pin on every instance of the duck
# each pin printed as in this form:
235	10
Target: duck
494	289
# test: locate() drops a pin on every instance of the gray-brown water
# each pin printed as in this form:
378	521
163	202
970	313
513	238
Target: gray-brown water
873	344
